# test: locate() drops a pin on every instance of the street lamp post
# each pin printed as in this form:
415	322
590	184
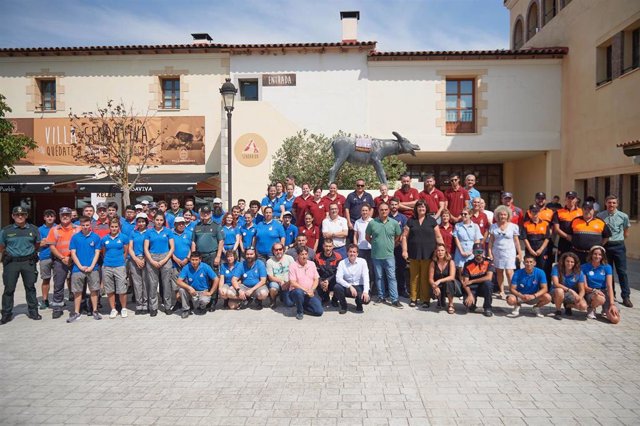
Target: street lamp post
228	92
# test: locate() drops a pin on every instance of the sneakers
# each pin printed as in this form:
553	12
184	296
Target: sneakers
74	316
557	315
515	312
591	313
342	311
299	316
113	314
6	318
56	314
96	316
397	304
124	313
568	312
34	316
379	300
488	313
185	314
44	304
258	304
627	302
536	312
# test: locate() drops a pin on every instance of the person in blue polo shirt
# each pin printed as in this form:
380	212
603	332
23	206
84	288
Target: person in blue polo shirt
137	264
599	288
128	222
529	285
268	232
197	282
84	249
229	270
231	233
567	285
158	249
44	255
290	230
114	273
252	284
182	243
247	233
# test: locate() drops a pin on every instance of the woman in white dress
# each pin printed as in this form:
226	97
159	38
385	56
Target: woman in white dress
504	245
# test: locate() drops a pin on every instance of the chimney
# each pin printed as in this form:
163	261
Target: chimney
350	26
201	38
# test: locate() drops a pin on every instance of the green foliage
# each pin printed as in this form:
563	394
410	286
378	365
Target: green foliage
309	157
12	147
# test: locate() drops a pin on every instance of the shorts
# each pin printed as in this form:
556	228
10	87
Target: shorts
262	291
607	302
45	269
79	279
529	302
274	285
114	279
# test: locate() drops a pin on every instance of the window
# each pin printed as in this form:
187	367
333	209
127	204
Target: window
533	25
518	35
460	106
633	207
549	11
248	89
47	94
635	48
604	66
170	93
631	48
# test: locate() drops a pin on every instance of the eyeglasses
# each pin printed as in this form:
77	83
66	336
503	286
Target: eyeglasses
464	214
278	249
360	186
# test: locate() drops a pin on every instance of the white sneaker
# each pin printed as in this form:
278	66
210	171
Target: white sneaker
591	313
113	314
536	312
515	312
124	313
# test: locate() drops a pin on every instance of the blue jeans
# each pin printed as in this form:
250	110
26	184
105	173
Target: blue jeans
285	298
303	302
617	256
388	268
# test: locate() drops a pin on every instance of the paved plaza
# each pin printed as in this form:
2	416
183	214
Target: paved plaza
265	368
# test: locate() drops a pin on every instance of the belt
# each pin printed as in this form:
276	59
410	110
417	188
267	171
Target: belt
22	258
614	243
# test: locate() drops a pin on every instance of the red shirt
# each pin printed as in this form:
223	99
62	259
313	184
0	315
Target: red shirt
517	215
300	207
447	237
482	221
319	211
433	199
407	197
312	234
339	200
100	228
377	201
457	200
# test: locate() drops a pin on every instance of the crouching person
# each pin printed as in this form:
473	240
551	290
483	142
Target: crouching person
303	281
252	282
477	275
278	274
352	280
197	283
529	285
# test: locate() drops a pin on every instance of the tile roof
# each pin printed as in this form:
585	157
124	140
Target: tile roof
544	52
628	143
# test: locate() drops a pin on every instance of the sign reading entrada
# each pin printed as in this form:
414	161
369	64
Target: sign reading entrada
278	79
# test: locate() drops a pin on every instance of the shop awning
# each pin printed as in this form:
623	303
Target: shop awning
36	183
168	182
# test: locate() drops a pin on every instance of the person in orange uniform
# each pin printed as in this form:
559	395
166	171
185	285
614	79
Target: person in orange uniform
536	234
435	198
407	196
545	212
587	231
562	221
59	239
457	198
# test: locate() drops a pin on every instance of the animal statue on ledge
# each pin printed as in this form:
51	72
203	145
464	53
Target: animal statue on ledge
363	151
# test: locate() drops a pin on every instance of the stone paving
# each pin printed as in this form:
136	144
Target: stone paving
385	367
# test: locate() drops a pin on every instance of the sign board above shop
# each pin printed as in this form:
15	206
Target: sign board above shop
278	80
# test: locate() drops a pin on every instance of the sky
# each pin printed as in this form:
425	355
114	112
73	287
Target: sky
395	24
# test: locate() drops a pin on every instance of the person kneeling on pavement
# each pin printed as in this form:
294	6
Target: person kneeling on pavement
529	285
477	275
252	280
352	280
197	282
303	281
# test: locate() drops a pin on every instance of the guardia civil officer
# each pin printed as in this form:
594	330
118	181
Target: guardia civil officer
18	245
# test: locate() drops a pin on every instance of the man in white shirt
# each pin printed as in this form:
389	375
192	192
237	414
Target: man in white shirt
336	228
352	280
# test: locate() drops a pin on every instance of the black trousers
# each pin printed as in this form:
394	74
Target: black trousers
342	293
10	274
484	290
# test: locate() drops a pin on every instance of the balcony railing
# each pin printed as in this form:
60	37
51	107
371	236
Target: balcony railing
461	120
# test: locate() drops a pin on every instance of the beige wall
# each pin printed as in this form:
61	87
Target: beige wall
525	177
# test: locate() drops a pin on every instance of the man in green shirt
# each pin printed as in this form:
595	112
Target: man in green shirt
618	224
18	244
383	233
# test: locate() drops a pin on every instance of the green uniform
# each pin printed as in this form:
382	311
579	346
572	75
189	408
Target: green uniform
20	258
383	237
207	236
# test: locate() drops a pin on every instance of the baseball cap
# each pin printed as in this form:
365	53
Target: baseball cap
533	208
142	216
153	205
217	201
478	248
49	212
507	195
65	210
144	202
20	210
205	209
101	205
287	213
139	207
587	205
541	195
573	194
178	219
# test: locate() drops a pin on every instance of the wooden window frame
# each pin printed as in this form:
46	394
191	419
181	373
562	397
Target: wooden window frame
530	32
174	99
459	126
47	97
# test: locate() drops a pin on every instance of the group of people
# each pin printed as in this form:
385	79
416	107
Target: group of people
305	250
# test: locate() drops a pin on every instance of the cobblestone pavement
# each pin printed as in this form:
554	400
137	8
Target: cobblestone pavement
265	368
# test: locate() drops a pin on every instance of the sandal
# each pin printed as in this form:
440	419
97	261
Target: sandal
451	309
412	304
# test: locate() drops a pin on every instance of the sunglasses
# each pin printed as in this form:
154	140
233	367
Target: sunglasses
360	186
